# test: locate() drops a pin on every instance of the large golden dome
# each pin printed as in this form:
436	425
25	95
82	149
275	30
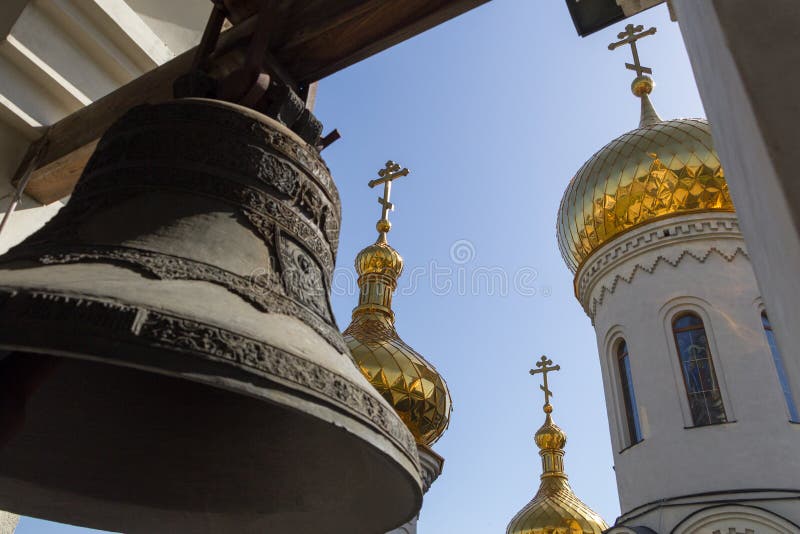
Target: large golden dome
660	169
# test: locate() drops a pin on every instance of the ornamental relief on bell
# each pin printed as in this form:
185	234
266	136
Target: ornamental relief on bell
302	278
291	207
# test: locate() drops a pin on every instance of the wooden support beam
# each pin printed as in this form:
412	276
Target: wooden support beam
314	39
56	179
331	36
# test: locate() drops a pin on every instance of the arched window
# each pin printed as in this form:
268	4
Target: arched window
782	377
702	389
628	396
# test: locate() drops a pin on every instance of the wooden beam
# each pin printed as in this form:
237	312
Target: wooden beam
327	42
10	11
56	180
315	39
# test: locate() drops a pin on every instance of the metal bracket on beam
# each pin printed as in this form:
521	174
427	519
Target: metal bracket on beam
23	174
260	83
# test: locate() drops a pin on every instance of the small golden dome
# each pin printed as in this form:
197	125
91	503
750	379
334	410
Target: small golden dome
660	169
379	258
550	436
555	509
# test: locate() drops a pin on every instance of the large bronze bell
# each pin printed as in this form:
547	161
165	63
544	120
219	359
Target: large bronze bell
171	360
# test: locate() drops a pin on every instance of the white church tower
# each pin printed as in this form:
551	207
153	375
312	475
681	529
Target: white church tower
702	407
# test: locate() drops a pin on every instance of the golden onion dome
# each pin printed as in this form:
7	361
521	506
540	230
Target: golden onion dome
661	169
550	435
555	508
379	258
401	375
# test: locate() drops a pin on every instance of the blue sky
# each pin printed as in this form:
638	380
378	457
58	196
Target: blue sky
493	112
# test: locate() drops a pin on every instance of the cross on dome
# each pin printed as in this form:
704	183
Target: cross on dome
630	36
392	171
545	365
642	85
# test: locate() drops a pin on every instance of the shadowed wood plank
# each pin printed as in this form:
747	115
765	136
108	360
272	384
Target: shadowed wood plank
57	179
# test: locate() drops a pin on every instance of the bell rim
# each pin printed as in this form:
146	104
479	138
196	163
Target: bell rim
188	360
241	381
381	449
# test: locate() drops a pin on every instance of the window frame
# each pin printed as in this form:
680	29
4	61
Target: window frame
629	406
676	316
793	411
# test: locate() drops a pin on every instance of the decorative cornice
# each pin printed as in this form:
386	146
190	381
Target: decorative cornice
655	234
622	529
609	289
675	238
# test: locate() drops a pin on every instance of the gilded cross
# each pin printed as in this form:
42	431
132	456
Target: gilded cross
630	36
545	365
392	171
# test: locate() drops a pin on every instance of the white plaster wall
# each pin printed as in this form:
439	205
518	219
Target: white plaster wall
29	217
179	23
736	519
763	512
8	523
12	150
740	52
758	447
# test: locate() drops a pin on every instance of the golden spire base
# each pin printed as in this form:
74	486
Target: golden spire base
554	508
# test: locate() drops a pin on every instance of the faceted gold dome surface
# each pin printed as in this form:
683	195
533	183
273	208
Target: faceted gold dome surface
401	375
556	510
550	436
379	258
659	169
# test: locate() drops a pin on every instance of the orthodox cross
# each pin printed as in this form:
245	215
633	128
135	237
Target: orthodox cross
392	171
630	36
545	365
